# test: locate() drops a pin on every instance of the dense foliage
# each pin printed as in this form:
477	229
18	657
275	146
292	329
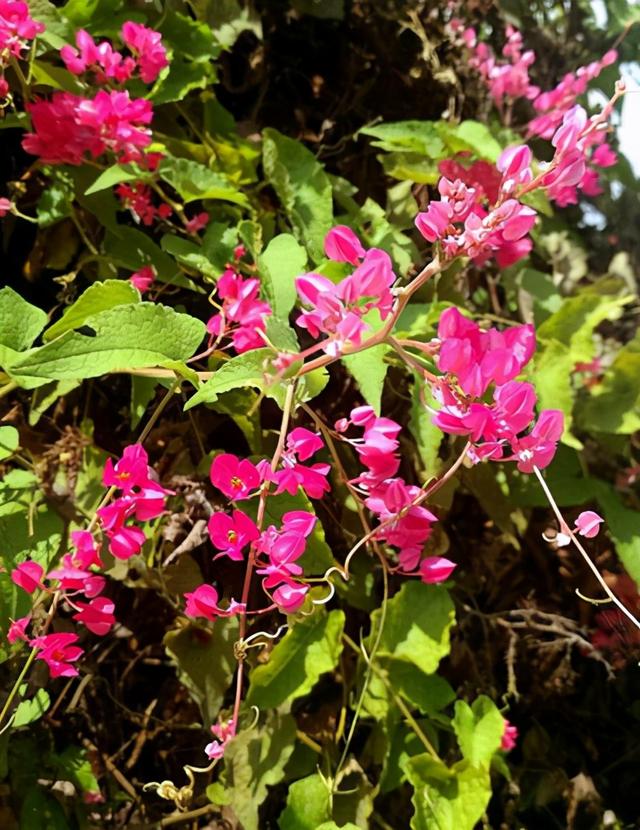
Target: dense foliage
318	346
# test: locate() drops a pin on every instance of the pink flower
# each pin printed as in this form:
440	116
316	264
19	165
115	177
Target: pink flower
86	552
96	615
6	205
223	732
68	127
131	471
198	222
588	524
434	569
289	597
509	737
147	46
28	576
342	245
203	602
538	448
243	314
58	651
73	578
304	443
17	629
16	27
236	478
143	279
231	534
125	542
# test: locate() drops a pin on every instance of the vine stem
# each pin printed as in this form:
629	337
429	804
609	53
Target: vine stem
566	529
264	493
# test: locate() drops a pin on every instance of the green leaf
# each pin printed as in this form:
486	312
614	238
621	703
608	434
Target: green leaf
133	249
126	337
189	254
479	729
303	187
310	648
195	181
205	662
254	761
188	37
183	77
427	435
308	804
447	799
470	136
74	766
551	373
614	405
283	260
9	441
20	322
407	136
244	370
369	370
100	296
429	693
113	175
58	32
28	711
56	199
229	19
622	524
39	810
418	621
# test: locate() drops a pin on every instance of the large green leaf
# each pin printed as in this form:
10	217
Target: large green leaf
9	441
407	136
282	261
20	322
303	187
310	648
125	337
447	799
479	729
429	693
417	625
205	662
252	369
308	804
255	761
113	175
98	297
195	181
614	405
369	370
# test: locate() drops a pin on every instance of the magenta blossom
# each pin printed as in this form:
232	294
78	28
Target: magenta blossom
17	630
143	278
203	602
58	651
342	245
96	615
236	478
588	524
290	596
28	576
434	569
509	737
231	534
223	732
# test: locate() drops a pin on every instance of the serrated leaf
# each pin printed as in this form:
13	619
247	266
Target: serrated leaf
189	254
125	337
369	370
417	625
244	370
308	650
188	37
470	136
20	322
205	662
303	187
429	693
479	729
183	77
282	261
100	296
195	181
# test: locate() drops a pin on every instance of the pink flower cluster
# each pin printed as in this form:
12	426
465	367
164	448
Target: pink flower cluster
337	310
138	198
465	223
17	27
509	80
404	523
474	360
77	574
68	127
141	499
242	316
149	55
